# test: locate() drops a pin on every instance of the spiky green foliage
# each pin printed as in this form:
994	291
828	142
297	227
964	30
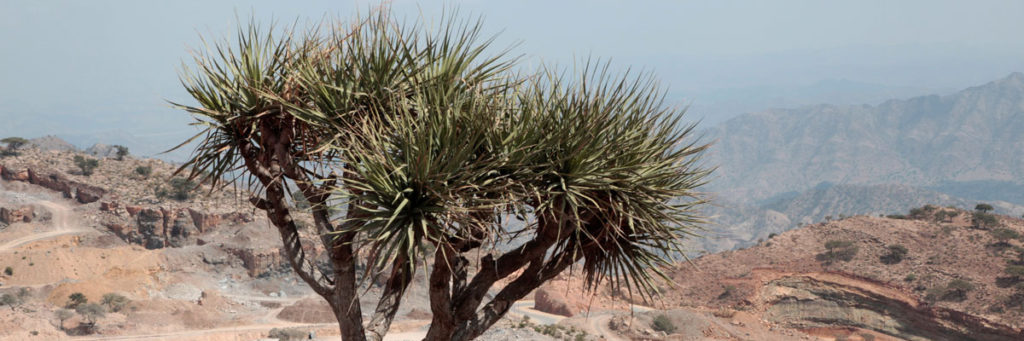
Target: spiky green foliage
429	143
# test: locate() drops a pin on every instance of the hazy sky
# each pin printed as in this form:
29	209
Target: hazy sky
101	70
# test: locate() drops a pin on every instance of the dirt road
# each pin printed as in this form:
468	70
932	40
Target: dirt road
61	221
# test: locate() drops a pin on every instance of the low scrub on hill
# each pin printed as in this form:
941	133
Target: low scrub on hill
838	250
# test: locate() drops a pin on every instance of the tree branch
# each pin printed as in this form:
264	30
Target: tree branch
390	299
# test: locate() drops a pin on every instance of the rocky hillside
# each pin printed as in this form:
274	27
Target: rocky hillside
741	225
935	274
969	136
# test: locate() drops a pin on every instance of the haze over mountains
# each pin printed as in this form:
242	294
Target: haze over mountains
783	167
971	135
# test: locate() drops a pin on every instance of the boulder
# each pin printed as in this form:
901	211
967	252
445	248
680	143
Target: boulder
108	206
88	193
260	261
551	300
204	221
11	175
10	216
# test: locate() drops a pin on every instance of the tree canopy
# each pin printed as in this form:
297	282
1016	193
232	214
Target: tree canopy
428	143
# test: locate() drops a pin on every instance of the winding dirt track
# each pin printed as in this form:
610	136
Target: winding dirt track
61	220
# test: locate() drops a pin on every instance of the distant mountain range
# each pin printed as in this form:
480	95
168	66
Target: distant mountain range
936	141
784	167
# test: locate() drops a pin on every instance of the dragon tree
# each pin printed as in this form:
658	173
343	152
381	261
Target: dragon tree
422	149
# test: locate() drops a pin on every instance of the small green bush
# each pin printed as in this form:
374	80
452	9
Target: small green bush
983	208
181	189
910	278
895	255
115	302
144	171
86	165
91	311
9	271
838	250
662	323
1003	235
75	300
727	292
983	220
122	151
1015	271
956	291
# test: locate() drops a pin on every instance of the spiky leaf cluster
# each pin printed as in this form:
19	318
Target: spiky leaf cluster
433	140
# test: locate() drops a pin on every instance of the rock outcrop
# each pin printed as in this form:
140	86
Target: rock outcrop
808	302
84	193
162	227
260	261
23	214
550	300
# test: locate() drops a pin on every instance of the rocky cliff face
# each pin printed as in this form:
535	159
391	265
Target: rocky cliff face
159	227
948	284
84	193
821	301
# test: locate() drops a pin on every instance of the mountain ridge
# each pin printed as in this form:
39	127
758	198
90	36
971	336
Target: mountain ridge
921	141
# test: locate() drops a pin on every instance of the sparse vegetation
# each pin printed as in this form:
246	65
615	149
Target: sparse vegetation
121	152
144	171
1004	235
910	278
8	300
115	302
727	292
1016	272
984	220
86	165
62	315
181	189
9	271
13	143
75	300
662	323
946	215
91	312
895	254
838	250
15	300
956	291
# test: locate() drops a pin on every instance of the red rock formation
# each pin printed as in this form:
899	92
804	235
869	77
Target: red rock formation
258	262
23	214
204	221
108	206
85	193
